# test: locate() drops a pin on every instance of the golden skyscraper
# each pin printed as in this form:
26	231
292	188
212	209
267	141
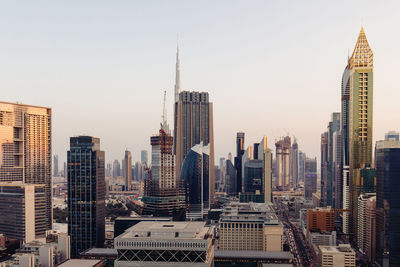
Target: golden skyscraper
360	67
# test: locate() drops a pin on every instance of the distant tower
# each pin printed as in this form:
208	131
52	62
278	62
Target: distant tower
55	165
128	170
178	76
194	125
144	156
294	164
86	211
238	160
283	162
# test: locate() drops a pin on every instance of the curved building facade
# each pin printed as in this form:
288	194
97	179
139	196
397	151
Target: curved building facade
196	176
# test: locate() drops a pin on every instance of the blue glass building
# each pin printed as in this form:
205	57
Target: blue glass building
388	202
196	176
86	194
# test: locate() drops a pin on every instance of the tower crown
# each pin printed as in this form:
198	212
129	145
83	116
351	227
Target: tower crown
362	55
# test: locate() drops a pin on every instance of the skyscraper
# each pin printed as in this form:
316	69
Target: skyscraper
238	160
144	156
86	194
164	194
25	152
387	158
128	170
196	175
294	164
116	169
283	162
194	125
324	168
302	160
55	165
360	66
310	179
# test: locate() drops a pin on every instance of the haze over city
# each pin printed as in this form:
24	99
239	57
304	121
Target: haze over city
269	68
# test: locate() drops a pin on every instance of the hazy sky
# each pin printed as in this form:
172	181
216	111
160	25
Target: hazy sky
271	67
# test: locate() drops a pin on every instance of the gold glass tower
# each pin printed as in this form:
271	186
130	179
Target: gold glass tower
361	65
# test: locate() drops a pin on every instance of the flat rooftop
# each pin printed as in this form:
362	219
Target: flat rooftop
167	230
337	249
252	254
79	263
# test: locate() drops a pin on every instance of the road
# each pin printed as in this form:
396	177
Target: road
298	245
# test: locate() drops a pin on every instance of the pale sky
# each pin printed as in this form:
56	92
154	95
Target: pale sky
270	67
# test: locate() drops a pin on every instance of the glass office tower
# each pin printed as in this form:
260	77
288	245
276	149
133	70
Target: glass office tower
86	194
387	159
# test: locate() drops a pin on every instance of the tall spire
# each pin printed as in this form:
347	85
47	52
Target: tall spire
362	55
178	75
164	124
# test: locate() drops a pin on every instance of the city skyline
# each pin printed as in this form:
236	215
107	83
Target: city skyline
243	52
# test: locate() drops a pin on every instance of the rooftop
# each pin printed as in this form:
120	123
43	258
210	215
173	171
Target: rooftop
341	248
260	212
167	230
79	263
252	254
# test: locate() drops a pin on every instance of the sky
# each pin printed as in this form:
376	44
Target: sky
271	67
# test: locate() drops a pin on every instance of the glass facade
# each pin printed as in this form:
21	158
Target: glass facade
86	194
253	176
196	177
388	202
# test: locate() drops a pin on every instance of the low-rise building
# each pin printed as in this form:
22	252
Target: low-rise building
49	252
322	238
152	243
250	226
337	256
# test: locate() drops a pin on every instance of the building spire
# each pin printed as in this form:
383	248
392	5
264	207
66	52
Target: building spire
362	54
164	124
178	75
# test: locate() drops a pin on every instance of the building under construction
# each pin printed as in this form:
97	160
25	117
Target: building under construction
164	195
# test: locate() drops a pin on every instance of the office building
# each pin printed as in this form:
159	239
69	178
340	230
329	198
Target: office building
283	162
250	226
238	160
22	210
337	190
387	158
231	182
116	169
310	177
55	165
392	136
165	244
194	125
144	156
362	242
337	256
164	194
302	162
321	219
370	229
333	127
86	194
226	258
195	174
322	238
360	124
324	168
25	147
294	164
128	170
